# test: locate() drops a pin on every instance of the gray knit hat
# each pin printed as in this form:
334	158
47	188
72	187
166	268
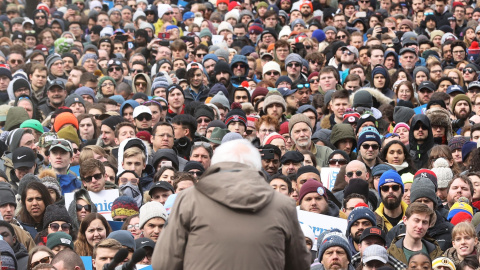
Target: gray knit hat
222	53
442	170
328	28
333	238
423	187
421	68
293	57
220	98
298	118
52	59
151	210
25	181
52	183
55	212
402	114
362	98
7	196
245	12
274	99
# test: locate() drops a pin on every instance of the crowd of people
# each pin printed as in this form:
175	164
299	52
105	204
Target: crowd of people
215	121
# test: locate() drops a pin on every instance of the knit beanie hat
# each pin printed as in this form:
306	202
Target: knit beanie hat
283	79
441	168
204	110
124	237
5	71
362	98
113	121
360	213
356	185
461	217
435	33
467	148
274	99
312	186
271	66
52	183
328	28
259	91
298	118
333	239
422	69
70	134
399	125
402	114
461	206
236	115
443	261
7	196
457	142
59	239
380	70
190	165
106	78
423	187
220	98
459	97
63	45
64	119
272	136
51	59
27	179
86	91
390	176
473	51
319	34
407	178
152	210
205	33
426	173
307	169
55	212
74	98
369	136
293	57
124	206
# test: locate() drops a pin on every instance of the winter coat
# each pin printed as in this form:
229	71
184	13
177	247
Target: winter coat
201	96
23	236
441	117
441	231
321	153
328	121
21	253
149	84
68	182
387	226
232	217
451	253
421	152
45	107
396	248
378	97
72	208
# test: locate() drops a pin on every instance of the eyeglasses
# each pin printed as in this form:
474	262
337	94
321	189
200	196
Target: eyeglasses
469	70
168	13
314	80
114	68
267	130
88	179
40	17
55	226
300	86
337	162
136	226
45	259
144	116
357	173
373	146
87	207
15	61
141	83
136	70
272	73
107	84
425	90
395	188
204	120
294	65
203	144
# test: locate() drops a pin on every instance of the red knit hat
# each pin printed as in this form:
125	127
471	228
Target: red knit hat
312	75
64	119
460	217
307	3
312	186
283	128
233	5
222	1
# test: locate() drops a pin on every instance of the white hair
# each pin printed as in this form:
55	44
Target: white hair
241	151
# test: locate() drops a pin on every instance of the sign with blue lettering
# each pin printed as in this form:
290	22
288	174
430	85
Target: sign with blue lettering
329	176
420	109
103	200
319	223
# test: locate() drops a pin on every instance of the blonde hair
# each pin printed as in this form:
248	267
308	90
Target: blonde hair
133	151
464	228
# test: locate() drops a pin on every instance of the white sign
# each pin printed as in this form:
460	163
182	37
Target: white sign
329	176
103	200
319	223
217	39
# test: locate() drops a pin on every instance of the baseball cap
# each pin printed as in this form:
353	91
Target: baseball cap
405	50
57	82
286	92
114	62
194	65
352	49
23	157
141	109
294	156
455	89
144	242
427	85
46	139
161	185
134	142
373	231
61	143
474	84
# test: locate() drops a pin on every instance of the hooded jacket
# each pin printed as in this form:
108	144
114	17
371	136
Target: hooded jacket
68	182
6	250
21	253
420	152
441	117
232	217
72	208
344	131
396	248
236	80
10	91
395	55
149	83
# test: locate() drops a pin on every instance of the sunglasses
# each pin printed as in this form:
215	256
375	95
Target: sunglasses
39	17
373	146
136	70
164	108
87	207
308	47
364	2
144	116
206	121
168	13
238	66
347	52
114	68
469	70
272	73
75	150
314	80
300	86
55	226
342	36
45	259
294	65
88	179
350	174
195	173
200	55
337	162
395	188
141	83
15	61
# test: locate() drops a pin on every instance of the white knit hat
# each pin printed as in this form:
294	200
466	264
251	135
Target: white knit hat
232	14
443	172
225	26
151	210
271	65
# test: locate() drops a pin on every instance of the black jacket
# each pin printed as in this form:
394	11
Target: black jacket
420	152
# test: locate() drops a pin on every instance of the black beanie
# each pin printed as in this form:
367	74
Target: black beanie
236	115
55	212
362	98
307	169
356	185
222	66
71	55
193	165
364	119
204	110
113	121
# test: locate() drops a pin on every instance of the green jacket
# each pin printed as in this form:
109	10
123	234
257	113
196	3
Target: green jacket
396	248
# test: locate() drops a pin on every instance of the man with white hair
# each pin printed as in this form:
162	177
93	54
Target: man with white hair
246	214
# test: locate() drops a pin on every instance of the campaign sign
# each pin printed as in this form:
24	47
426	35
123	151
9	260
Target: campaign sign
420	109
329	176
319	223
103	200
87	262
217	39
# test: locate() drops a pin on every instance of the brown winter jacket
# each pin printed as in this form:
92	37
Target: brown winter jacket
232	219
452	254
396	248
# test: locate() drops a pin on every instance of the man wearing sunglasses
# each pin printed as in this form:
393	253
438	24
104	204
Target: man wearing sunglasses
421	140
61	157
203	116
240	68
293	62
369	144
392	209
115	70
92	173
142	116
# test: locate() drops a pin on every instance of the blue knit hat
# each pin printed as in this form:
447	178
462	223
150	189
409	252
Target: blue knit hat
390	176
369	136
319	35
333	238
467	148
360	213
208	57
380	70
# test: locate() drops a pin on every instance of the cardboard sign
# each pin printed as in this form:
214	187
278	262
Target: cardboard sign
319	223
87	262
103	200
329	176
420	109
216	39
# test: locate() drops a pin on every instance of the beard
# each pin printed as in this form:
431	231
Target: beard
306	14
304	141
391	205
224	81
463	114
356	237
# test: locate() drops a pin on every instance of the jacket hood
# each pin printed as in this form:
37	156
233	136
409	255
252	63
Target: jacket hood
149	83
239	59
440	117
395	55
10	91
72	211
236	186
376	95
428	144
130	102
343	131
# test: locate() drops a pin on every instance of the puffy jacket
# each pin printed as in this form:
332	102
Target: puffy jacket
387	226
68	182
420	152
231	217
396	248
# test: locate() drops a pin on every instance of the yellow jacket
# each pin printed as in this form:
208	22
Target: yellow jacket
387	226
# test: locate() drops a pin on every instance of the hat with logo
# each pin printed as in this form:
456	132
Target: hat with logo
360	212
312	186
443	261
390	176
161	185
59	239
62	144
74	98
455	89
373	231
427	85
369	136
144	242
46	139
23	157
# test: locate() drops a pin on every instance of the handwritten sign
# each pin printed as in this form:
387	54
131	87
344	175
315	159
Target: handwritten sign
329	176
217	39
103	200
319	223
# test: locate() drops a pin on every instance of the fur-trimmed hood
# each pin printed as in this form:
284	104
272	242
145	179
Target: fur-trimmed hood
440	117
378	97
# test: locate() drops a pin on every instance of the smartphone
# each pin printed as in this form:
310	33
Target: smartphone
121	37
384	30
166	163
188	39
164	35
361	14
267	153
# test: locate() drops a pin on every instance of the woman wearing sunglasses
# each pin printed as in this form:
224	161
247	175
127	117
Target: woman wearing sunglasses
38	255
80	207
56	219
